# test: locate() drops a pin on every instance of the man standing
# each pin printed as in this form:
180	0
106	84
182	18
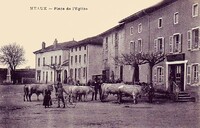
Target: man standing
60	91
97	88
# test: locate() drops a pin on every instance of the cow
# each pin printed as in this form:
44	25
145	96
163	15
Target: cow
109	88
79	91
37	89
133	91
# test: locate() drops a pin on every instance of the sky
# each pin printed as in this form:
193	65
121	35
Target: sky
28	27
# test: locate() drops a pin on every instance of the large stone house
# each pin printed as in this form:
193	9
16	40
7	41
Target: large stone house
171	27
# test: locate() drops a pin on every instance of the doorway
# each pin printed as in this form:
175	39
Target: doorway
176	75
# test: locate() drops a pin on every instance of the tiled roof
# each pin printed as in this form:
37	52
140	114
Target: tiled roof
59	46
96	40
117	27
144	12
66	45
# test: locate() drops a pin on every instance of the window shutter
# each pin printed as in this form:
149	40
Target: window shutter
199	37
162	74
180	43
155	75
163	45
189	40
171	44
189	74
155	45
198	75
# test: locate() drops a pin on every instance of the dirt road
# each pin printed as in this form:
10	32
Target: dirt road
15	113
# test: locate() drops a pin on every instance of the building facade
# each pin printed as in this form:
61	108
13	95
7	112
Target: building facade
52	62
85	59
113	48
69	62
171	27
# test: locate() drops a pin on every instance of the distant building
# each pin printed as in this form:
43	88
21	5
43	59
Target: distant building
86	59
69	62
52	62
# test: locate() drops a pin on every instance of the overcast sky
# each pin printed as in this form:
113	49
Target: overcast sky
30	28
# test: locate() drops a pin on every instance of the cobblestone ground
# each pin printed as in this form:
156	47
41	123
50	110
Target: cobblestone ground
15	113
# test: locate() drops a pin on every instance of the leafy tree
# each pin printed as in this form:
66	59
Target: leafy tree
12	55
152	58
132	59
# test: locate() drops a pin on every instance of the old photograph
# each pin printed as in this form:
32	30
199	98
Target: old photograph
100	64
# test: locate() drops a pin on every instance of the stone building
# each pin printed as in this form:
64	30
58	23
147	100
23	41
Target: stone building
171	27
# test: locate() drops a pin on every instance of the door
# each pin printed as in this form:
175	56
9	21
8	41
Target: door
177	76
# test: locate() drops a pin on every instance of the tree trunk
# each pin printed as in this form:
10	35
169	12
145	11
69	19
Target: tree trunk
150	73
13	77
137	73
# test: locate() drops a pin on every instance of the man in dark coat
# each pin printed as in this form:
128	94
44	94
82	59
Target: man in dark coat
97	89
151	93
47	98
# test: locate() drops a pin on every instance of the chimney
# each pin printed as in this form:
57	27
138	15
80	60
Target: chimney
55	43
43	45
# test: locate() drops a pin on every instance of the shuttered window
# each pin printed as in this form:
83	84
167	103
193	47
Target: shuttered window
189	74
171	44
189	40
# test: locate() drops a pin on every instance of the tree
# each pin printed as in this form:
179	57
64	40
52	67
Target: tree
132	59
152	59
12	55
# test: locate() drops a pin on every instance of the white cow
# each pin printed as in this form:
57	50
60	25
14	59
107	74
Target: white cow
133	91
79	91
110	88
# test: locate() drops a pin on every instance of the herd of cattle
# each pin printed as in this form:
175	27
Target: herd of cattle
119	89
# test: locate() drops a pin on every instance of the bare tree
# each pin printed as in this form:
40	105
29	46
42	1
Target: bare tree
132	59
152	58
12	55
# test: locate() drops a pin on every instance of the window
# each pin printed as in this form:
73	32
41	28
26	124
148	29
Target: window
85	58
116	40
80	48
160	23
51	60
76	59
139	45
76	49
75	73
55	59
84	72
131	30
176	18
51	76
71	49
79	58
140	28
195	10
84	47
175	43
71	60
38	62
193	39
159	45
43	61
71	72
195	73
159	74
43	75
59	59
106	44
79	73
132	47
38	75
